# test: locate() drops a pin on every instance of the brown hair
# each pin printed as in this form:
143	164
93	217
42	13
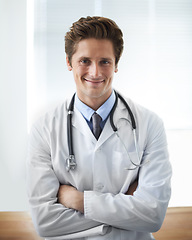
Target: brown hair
94	27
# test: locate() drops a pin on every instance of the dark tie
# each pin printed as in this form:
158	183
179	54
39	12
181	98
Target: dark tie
96	125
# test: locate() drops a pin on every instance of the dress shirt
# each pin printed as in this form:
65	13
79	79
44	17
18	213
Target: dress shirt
103	111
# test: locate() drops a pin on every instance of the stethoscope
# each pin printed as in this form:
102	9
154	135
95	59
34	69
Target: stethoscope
71	162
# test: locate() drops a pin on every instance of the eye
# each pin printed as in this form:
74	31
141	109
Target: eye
85	61
105	62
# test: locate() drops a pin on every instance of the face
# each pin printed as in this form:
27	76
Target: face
93	66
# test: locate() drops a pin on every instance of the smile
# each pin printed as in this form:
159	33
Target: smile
94	81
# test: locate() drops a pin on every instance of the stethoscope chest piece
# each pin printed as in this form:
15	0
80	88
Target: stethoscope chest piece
71	163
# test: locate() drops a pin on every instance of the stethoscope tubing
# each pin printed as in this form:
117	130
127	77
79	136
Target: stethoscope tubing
69	126
71	163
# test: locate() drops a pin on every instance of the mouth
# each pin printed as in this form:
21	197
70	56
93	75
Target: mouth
99	81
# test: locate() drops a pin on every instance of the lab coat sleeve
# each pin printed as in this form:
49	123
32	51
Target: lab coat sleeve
50	218
145	210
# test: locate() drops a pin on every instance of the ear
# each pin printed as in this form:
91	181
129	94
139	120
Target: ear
116	69
68	64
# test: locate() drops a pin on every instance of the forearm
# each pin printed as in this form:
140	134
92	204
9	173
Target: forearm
70	197
105	205
52	219
125	212
132	188
145	210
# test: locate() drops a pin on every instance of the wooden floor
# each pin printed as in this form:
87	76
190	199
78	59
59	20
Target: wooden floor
17	226
177	226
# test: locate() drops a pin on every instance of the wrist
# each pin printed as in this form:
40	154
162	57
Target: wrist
79	202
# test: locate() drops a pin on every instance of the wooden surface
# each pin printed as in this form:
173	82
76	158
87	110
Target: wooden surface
177	226
17	226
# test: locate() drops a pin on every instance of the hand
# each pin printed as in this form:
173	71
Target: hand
132	188
70	197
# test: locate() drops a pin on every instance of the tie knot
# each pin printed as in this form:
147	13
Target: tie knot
96	119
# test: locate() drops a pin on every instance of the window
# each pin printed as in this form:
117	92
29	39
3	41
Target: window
155	69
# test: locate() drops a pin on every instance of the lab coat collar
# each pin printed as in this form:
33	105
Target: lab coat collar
79	122
119	114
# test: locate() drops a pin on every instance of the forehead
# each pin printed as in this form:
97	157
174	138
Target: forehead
92	47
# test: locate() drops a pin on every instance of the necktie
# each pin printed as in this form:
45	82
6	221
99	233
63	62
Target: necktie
96	125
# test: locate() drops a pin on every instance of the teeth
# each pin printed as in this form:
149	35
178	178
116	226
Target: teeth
94	81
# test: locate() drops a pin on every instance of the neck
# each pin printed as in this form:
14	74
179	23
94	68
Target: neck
94	102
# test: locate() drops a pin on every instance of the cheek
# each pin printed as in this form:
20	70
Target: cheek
80	71
77	72
110	73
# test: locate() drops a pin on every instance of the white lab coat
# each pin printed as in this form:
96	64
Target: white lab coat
101	175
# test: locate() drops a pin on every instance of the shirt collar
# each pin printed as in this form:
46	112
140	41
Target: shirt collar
103	111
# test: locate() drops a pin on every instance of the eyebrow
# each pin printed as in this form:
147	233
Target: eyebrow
83	57
106	59
103	58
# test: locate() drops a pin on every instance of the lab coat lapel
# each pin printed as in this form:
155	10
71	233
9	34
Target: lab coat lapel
79	122
105	134
81	125
120	113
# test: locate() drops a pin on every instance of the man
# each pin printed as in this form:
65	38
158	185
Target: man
108	191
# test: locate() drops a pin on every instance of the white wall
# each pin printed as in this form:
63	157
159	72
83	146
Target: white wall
155	68
13	117
13	84
179	143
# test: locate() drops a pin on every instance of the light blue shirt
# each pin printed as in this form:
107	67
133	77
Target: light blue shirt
103	111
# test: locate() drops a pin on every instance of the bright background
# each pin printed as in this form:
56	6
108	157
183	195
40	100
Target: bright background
155	71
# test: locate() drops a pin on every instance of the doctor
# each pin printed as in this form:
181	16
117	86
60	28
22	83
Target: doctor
119	186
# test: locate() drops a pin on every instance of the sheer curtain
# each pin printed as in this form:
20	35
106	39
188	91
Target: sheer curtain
155	69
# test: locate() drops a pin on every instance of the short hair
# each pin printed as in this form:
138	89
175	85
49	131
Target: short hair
94	27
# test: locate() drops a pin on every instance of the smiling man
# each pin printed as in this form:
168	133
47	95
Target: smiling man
98	165
93	65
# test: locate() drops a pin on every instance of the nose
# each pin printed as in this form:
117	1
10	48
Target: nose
94	70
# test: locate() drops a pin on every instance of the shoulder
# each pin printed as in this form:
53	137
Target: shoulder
142	114
54	116
149	126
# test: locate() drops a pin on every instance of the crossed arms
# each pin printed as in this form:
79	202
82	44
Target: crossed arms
70	197
54	207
